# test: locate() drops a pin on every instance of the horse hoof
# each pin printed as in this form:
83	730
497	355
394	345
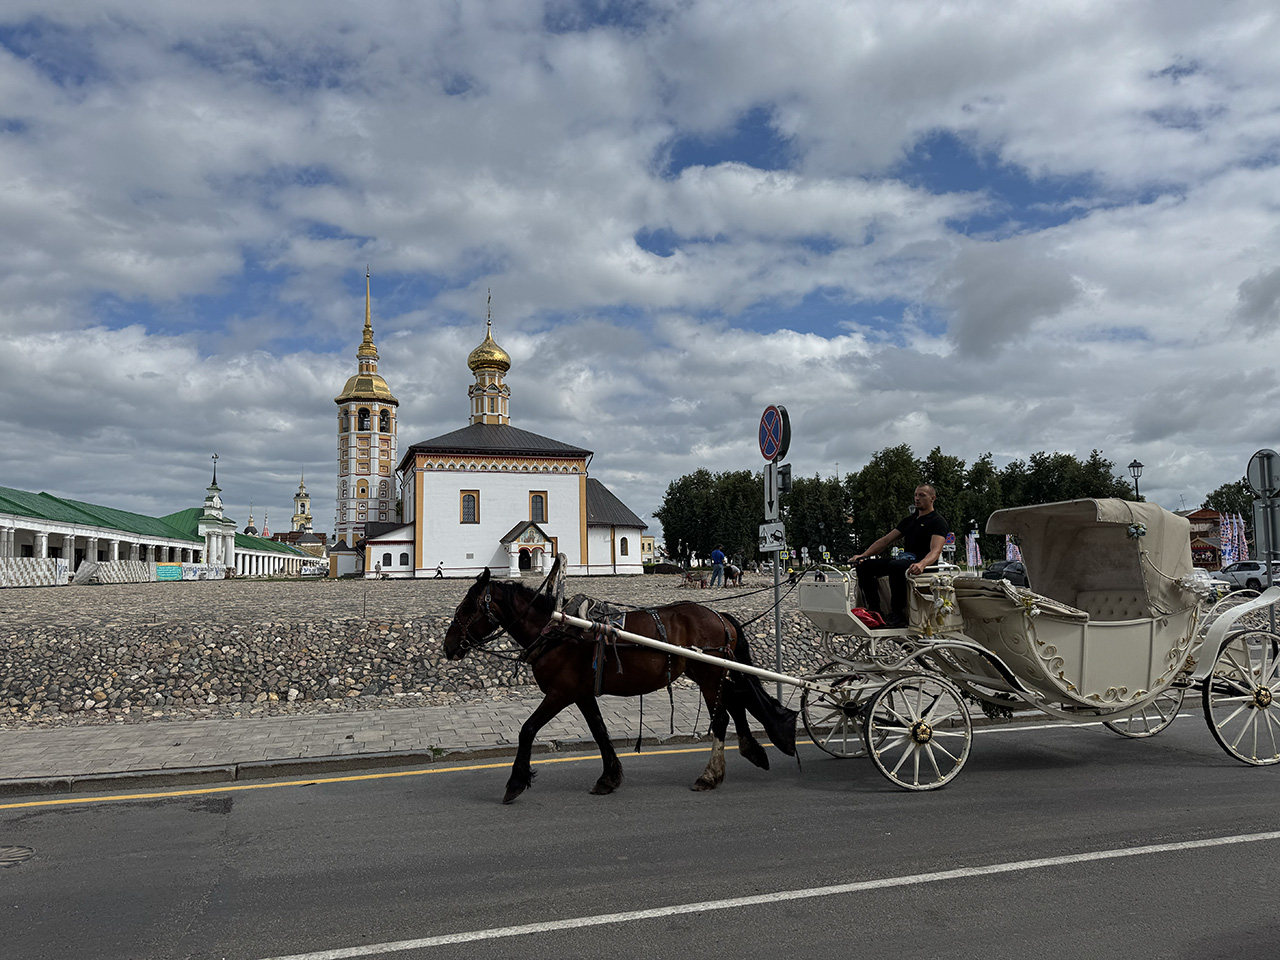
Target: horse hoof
512	793
704	783
602	789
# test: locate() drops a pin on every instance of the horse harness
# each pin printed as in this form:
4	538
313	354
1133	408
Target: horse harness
605	634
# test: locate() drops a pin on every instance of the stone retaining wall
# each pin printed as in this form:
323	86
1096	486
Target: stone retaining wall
133	670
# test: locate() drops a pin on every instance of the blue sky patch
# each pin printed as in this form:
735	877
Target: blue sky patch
753	141
942	162
577	16
64	56
661	242
826	311
242	52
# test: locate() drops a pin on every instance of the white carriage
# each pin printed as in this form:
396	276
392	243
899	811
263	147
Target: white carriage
1117	628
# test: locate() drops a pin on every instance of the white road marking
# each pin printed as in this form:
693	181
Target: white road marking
707	906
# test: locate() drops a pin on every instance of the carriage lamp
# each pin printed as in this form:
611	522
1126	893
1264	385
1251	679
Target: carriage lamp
1135	471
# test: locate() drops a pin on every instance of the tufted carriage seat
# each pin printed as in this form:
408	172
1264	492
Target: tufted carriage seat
1113	605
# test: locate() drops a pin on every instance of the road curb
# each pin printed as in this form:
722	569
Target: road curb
251	770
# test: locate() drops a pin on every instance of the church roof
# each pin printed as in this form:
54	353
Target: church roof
518	530
491	438
366	386
375	530
604	509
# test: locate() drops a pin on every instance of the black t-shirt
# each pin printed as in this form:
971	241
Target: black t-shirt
917	532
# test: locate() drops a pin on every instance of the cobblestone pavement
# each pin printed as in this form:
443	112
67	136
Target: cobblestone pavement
259	601
164	750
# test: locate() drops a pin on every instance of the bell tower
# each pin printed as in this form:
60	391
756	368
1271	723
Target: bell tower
301	507
489	396
366	441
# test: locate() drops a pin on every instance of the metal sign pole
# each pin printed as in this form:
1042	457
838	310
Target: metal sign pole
1261	476
777	607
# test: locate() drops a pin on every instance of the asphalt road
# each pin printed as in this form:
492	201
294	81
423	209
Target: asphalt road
842	863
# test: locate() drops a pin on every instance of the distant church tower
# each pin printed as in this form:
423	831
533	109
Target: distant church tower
366	442
301	507
489	395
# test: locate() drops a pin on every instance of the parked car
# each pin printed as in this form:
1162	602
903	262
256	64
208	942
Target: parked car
1248	574
1011	570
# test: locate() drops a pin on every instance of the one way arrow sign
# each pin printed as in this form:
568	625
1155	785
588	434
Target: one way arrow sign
771	499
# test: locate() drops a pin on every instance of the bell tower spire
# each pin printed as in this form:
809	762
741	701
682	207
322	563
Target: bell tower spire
489	396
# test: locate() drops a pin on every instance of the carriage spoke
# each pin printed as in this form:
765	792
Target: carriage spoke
933	761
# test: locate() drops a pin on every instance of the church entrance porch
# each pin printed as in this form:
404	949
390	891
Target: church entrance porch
528	546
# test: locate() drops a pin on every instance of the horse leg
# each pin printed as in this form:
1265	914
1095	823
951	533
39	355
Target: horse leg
713	775
522	772
611	777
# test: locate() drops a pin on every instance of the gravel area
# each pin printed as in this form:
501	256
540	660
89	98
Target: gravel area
156	651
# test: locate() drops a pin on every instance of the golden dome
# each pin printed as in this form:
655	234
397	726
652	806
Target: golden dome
366	386
489	355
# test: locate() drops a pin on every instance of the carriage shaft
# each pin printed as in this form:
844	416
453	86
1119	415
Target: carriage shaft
690	653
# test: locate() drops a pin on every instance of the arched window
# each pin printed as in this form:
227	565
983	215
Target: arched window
363	419
404	559
362	491
382	489
384	421
386	559
538	507
622	546
342	422
470	506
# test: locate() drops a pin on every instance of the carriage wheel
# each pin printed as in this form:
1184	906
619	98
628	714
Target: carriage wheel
918	732
1238	697
831	719
1153	717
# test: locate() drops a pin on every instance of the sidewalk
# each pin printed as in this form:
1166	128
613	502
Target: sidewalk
158	753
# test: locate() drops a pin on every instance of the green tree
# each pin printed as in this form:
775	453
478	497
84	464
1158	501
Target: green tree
683	514
816	516
702	510
739	508
881	492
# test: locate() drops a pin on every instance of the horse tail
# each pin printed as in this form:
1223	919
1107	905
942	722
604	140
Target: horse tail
779	722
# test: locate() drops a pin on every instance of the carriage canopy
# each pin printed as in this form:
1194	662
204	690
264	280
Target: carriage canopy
1084	546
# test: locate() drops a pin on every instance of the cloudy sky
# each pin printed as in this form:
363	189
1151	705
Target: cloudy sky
1002	226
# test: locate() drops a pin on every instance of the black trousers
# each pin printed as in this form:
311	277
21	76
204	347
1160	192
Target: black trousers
871	569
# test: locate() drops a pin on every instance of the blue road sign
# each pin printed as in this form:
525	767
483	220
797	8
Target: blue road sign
775	432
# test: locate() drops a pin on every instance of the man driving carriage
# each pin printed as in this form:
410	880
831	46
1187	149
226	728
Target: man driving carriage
923	535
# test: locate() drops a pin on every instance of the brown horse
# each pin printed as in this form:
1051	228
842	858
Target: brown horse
571	667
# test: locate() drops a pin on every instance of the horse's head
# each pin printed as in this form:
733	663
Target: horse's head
473	621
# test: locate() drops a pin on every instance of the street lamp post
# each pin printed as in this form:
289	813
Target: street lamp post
1135	471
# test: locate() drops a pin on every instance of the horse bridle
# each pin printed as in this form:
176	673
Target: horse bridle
485	608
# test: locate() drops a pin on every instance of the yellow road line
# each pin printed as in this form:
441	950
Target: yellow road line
577	758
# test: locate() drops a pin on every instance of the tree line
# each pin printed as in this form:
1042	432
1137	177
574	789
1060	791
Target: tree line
703	510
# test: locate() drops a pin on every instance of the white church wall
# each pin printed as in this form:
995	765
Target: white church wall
504	502
604	550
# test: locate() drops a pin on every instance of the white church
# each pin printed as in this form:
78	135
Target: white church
487	495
